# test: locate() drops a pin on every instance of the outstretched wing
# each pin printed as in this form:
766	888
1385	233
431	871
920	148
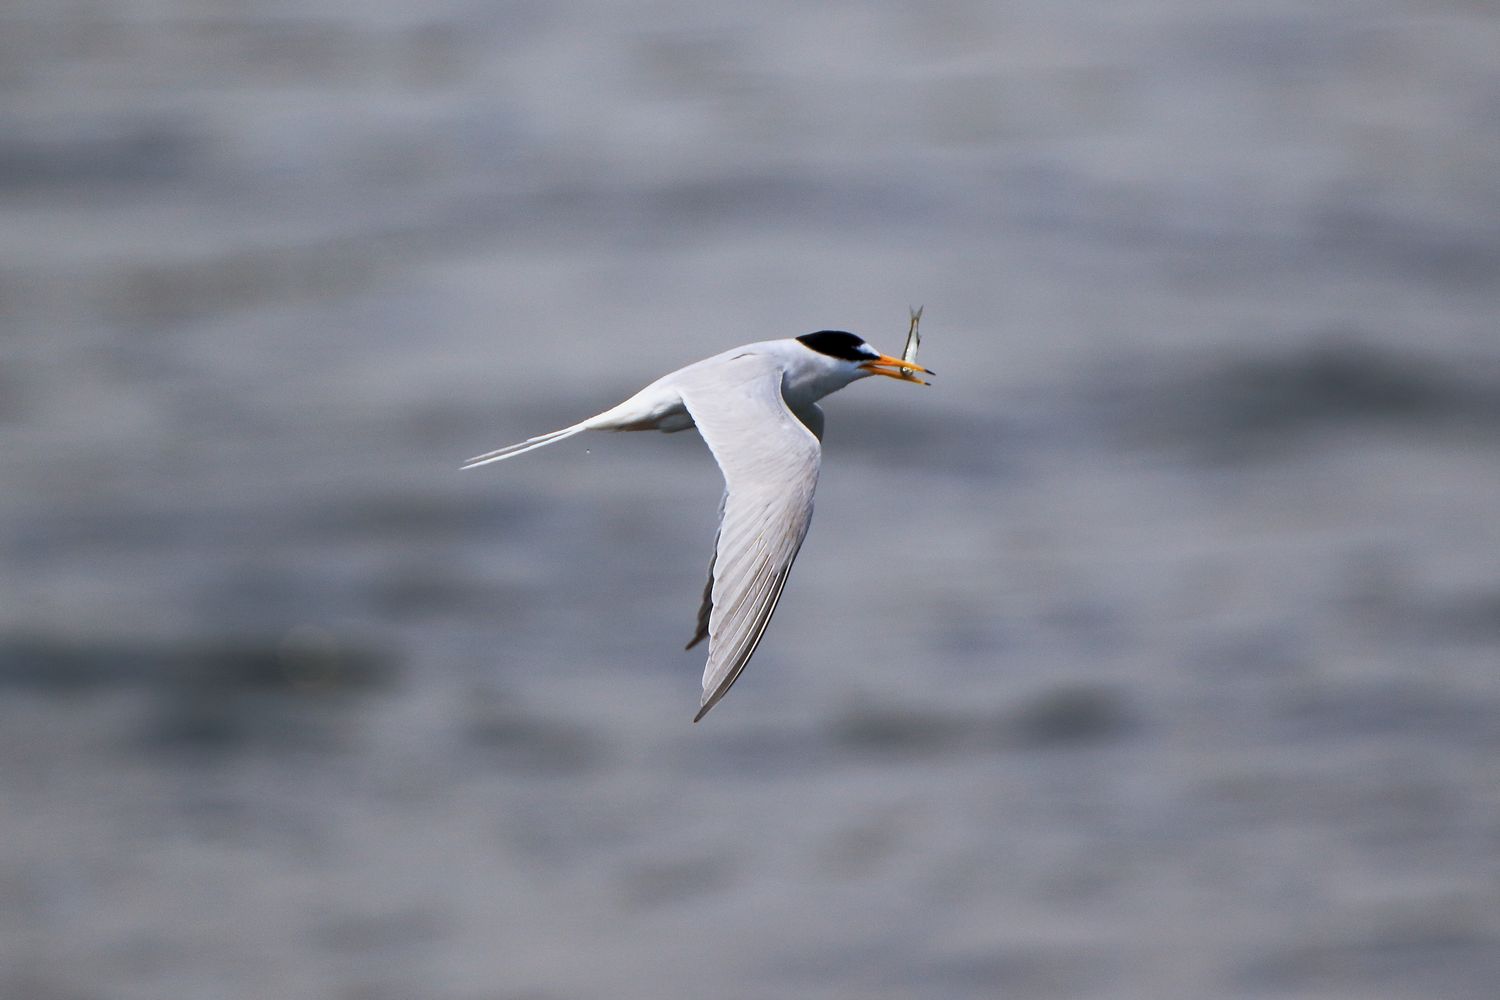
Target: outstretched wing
770	463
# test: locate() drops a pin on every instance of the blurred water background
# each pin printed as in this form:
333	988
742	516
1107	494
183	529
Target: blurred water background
1152	653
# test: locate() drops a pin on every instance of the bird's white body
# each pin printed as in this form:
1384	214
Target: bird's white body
756	407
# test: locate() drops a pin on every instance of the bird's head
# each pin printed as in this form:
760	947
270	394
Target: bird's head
858	359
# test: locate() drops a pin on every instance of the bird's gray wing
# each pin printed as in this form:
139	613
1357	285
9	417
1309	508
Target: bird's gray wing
770	463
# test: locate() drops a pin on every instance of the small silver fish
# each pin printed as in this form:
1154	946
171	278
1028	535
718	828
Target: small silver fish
913	341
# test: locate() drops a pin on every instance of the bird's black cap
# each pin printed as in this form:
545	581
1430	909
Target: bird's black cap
837	344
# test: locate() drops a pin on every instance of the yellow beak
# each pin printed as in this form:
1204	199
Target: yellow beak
895	368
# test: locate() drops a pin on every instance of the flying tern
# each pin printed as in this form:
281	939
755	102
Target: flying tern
756	406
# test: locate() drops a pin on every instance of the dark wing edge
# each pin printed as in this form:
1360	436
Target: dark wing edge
705	608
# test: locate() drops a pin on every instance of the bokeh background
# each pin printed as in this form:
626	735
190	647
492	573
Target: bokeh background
1154	652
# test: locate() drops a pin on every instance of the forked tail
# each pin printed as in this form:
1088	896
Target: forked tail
521	447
